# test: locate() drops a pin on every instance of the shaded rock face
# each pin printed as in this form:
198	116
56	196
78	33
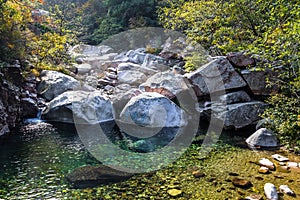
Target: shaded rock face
262	138
257	81
87	107
17	98
235	97
217	75
93	176
238	115
54	83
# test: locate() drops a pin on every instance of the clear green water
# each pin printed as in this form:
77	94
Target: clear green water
34	167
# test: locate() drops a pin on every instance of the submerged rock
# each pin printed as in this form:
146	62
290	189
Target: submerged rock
263	170
270	191
174	192
93	176
242	183
262	138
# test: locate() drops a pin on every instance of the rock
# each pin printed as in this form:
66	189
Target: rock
89	50
254	197
139	56
263	170
88	107
264	123
240	60
285	189
270	191
280	158
242	183
266	163
292	164
257	81
215	76
150	109
235	116
93	176
167	84
83	68
174	192
133	74
198	174
284	169
235	97
30	107
262	138
152	117
54	83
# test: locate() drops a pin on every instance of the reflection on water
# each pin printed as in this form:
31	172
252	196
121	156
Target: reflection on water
34	162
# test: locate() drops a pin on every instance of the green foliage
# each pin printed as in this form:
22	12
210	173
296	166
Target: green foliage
268	28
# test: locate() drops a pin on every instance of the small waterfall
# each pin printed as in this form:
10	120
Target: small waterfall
37	119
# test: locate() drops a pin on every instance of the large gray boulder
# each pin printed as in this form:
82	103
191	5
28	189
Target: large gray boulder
93	176
151	109
236	116
87	107
215	76
54	83
133	74
262	138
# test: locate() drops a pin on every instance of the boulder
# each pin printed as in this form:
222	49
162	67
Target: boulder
30	107
150	114
262	138
54	83
89	50
240	59
257	81
87	107
237	116
235	97
133	74
93	176
215	76
169	82
153	110
270	191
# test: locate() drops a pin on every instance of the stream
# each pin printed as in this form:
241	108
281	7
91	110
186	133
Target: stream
35	161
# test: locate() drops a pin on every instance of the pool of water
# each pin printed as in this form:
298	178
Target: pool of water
34	163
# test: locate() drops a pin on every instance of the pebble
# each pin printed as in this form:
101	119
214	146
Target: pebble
267	163
280	158
174	192
270	191
254	197
292	164
263	170
285	189
198	174
242	183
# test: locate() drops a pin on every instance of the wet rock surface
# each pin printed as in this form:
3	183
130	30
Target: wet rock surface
93	176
